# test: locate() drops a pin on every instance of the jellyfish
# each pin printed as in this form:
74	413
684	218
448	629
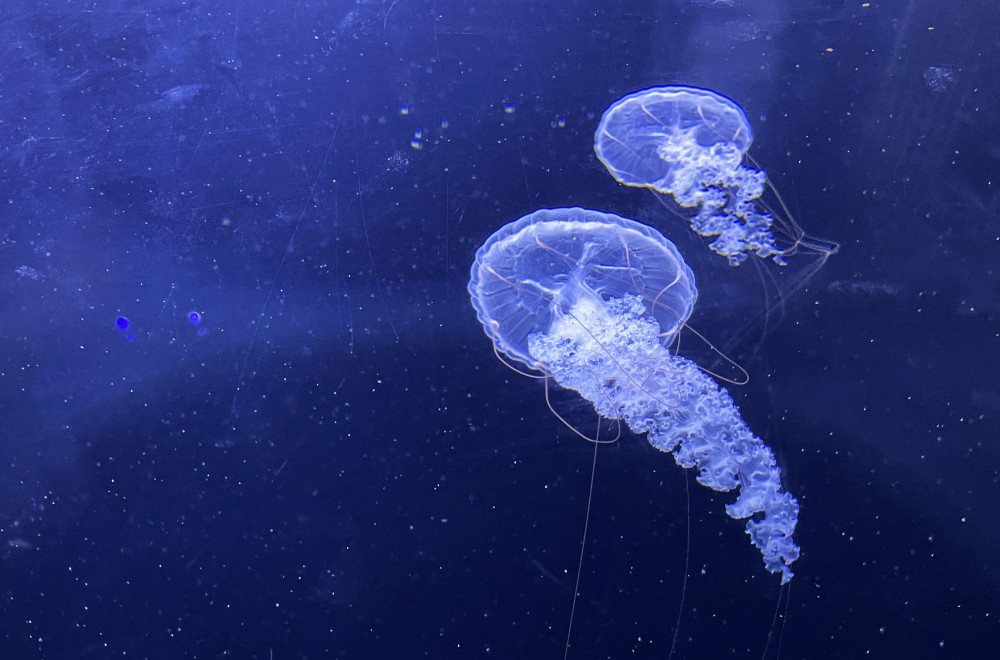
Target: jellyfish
690	143
595	301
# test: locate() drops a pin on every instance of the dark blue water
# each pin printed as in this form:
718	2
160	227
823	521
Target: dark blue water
302	445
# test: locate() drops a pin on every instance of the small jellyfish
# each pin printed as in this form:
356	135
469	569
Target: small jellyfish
194	318
690	143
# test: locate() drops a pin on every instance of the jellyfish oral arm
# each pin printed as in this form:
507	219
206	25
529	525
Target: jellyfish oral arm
728	456
610	352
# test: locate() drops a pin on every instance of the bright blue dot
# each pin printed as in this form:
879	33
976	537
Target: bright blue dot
194	318
122	323
130	337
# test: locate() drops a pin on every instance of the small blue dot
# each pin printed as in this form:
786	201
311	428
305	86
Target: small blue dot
122	323
130	337
194	318
202	332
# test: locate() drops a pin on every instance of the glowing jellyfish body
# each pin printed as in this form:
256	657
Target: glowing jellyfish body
689	143
593	301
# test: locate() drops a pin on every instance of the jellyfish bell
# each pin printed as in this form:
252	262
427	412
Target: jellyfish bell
594	301
538	269
690	144
645	138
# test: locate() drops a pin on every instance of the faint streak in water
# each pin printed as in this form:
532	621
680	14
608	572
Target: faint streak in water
547	573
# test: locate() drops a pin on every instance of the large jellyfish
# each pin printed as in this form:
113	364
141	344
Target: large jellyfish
594	301
689	143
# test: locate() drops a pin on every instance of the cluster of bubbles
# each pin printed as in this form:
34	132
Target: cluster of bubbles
124	325
417	141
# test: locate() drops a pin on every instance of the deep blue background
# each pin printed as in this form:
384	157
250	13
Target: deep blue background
340	467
